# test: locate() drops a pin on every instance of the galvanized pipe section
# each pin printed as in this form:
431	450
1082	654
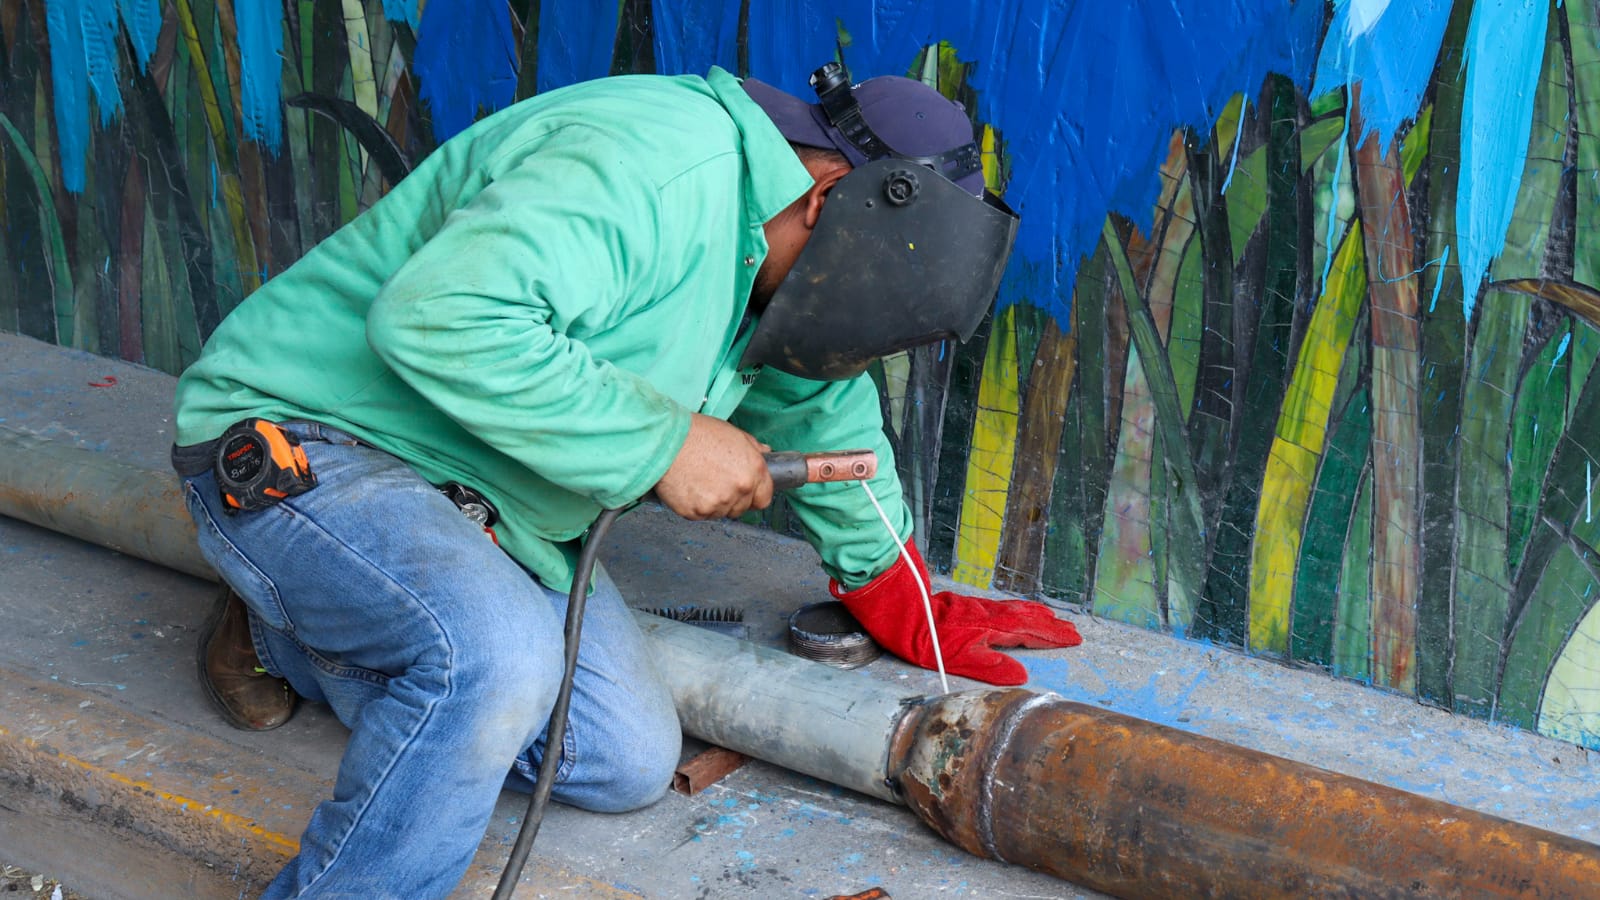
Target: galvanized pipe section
768	704
1136	809
761	702
92	496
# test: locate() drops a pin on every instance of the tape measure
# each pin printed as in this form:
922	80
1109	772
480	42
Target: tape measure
258	464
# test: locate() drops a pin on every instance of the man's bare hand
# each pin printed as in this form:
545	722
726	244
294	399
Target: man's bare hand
719	473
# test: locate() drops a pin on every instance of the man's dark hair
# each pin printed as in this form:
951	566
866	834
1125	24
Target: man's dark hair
809	155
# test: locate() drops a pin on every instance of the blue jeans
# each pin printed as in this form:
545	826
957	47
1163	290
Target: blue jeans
374	594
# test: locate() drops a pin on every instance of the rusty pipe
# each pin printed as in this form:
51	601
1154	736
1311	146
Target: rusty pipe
1136	809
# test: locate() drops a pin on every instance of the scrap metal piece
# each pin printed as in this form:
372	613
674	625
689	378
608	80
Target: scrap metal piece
705	769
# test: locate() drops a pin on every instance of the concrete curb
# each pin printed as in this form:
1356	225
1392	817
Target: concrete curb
168	812
64	747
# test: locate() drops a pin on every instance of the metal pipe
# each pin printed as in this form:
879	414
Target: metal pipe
92	496
1122	805
1136	809
821	721
756	700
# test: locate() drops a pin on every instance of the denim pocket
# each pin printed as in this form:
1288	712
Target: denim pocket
257	590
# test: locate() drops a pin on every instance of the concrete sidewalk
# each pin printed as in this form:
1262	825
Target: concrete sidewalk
116	775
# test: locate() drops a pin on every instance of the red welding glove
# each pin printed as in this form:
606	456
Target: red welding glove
890	609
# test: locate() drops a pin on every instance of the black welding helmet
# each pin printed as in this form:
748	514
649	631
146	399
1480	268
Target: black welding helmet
909	247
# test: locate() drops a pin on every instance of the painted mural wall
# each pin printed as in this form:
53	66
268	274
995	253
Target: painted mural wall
1295	352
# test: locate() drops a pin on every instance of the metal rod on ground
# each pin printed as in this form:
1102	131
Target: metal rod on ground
1116	803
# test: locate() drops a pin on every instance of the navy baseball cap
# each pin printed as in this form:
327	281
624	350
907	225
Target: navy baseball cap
907	115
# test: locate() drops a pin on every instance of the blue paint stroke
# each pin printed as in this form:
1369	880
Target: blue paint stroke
575	41
691	36
1561	350
1504	54
1438	283
1333	203
261	70
401	11
1171	707
1116	78
142	18
70	79
467	60
1238	138
1389	48
83	61
98	21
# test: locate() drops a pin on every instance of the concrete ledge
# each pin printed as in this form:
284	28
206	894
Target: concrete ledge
149	781
168	812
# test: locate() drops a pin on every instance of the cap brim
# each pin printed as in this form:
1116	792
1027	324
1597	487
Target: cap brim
792	115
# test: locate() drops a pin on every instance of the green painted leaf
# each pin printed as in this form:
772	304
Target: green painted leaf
1352	629
10	291
1583	22
94	294
1443	337
1066	567
1319	577
1183	336
1585	351
1327	105
1567	505
1247	199
1483	582
1317	138
1078	500
159	320
60	272
1414	147
1537	421
1566	591
1187	542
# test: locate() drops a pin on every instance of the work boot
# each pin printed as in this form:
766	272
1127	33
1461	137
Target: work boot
248	697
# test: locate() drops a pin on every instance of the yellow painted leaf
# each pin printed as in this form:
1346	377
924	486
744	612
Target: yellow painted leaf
994	447
1570	710
1301	435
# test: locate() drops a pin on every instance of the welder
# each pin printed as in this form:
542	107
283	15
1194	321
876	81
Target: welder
633	285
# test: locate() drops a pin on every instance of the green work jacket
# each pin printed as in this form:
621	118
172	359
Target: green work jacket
538	308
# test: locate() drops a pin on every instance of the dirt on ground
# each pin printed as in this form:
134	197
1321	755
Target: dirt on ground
15	882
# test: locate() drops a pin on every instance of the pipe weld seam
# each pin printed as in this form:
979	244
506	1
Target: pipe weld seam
991	764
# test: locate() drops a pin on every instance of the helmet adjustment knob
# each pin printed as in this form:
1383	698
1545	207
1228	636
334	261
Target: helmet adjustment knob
900	186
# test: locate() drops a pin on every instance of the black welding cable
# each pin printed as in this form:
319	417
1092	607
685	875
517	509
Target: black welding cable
558	716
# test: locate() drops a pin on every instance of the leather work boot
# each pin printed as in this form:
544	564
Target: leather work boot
242	691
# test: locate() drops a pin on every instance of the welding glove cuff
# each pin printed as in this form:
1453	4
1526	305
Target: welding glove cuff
890	609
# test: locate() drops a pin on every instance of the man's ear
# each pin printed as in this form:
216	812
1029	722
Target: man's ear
813	199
